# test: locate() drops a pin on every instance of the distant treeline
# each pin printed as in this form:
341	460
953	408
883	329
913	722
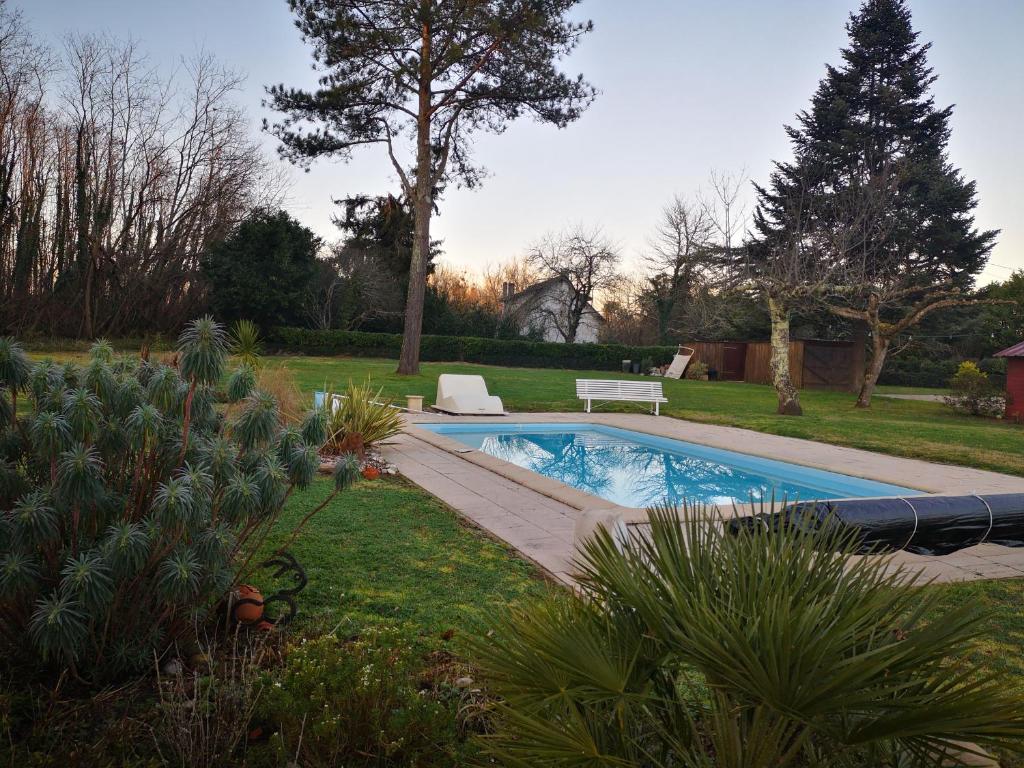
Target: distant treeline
113	181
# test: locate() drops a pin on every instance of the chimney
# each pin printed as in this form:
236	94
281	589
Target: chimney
508	290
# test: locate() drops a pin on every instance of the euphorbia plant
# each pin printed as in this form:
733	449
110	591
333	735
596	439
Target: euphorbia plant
128	504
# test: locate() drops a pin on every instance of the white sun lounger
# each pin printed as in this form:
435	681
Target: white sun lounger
466	395
679	363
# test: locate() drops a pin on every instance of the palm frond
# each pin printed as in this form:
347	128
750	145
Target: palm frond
245	343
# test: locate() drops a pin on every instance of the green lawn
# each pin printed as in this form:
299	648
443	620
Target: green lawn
925	430
385	550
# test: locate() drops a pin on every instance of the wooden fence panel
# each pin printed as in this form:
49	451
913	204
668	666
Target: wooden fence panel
811	363
708	352
759	362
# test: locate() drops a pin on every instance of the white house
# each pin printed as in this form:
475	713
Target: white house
546	308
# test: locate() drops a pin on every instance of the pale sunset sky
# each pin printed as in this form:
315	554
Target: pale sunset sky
686	86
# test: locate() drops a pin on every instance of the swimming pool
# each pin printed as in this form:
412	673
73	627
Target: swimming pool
637	470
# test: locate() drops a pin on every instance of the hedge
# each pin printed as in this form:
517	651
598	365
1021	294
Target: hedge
918	371
467	349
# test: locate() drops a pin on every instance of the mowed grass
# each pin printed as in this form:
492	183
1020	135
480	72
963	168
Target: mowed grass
923	430
912	428
386	551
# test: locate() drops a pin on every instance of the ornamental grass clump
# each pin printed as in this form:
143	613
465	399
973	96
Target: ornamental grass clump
362	413
692	646
129	505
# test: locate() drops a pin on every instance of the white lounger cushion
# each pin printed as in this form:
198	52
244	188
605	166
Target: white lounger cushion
466	394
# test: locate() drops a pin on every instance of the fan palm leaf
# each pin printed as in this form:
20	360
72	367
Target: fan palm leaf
783	652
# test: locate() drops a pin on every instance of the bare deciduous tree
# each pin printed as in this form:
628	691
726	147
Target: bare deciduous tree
889	305
680	256
114	184
819	255
582	263
518	273
626	313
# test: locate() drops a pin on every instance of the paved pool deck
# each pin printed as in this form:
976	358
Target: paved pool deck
537	515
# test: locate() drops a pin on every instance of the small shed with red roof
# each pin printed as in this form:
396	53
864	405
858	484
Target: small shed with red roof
1014	381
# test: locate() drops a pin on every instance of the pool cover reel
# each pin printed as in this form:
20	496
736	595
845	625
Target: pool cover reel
924	525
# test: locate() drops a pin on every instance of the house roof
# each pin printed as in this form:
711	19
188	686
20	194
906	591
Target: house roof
1017	350
535	288
540	287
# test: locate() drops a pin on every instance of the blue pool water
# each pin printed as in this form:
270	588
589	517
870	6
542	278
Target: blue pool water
637	470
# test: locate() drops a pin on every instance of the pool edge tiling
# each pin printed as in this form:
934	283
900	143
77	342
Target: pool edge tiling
534	514
637	469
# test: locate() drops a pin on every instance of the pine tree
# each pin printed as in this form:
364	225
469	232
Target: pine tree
873	131
423	75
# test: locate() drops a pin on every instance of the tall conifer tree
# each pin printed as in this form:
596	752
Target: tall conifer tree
873	129
422	76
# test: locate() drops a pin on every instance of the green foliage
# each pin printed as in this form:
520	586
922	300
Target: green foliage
973	393
15	366
696	370
359	702
346	472
521	353
874	119
263	271
488	64
918	371
241	383
204	351
363	411
118	534
698	647
245	343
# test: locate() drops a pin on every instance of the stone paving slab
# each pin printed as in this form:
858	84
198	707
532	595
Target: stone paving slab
540	528
537	515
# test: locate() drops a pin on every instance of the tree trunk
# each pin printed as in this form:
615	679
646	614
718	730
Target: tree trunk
84	251
409	360
789	396
879	349
665	308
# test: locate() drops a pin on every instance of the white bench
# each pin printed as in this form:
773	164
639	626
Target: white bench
630	391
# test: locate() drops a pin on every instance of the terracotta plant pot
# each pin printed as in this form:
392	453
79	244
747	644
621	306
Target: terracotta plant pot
247	613
371	473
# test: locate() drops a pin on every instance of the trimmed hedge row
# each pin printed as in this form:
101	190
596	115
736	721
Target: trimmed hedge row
468	349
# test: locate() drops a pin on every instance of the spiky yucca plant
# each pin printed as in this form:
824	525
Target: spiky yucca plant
694	647
128	507
362	411
245	343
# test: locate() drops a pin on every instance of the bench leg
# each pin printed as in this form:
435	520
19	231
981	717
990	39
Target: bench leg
656	407
588	405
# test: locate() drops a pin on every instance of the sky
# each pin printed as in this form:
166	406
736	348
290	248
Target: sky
686	87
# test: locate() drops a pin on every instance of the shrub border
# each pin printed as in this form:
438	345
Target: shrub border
467	349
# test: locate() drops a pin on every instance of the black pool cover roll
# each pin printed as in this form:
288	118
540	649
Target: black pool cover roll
924	525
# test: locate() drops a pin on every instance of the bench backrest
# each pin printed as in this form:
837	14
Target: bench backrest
606	388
